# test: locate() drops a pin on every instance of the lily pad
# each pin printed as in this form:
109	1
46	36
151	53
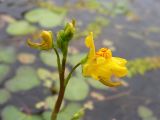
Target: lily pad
4	96
25	79
4	69
47	115
45	17
49	58
144	112
20	28
12	113
44	74
74	59
50	102
77	89
151	118
7	54
49	78
66	113
69	111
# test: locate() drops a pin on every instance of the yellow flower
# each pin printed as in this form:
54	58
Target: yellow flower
46	43
101	65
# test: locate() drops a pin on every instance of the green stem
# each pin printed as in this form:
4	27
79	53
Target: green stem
62	88
58	62
58	104
70	74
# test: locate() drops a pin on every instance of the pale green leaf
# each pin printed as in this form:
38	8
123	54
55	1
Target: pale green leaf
7	54
4	69
144	112
12	113
20	28
77	89
4	96
25	79
45	17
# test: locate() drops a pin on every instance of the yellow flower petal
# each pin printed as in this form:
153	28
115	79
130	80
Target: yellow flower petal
46	43
119	61
89	42
102	66
110	83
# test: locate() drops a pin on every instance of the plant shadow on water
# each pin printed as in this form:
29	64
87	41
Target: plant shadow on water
130	30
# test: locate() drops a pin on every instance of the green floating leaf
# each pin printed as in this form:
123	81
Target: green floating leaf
25	79
77	89
12	113
20	28
4	96
7	54
150	118
144	112
49	58
45	17
44	74
51	100
78	115
74	59
65	114
4	69
96	84
47	115
69	111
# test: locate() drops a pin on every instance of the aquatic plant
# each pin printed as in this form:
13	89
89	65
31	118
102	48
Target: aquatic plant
102	60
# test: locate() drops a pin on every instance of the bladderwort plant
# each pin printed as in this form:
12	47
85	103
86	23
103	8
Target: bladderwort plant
106	66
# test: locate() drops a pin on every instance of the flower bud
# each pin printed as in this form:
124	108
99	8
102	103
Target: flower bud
69	30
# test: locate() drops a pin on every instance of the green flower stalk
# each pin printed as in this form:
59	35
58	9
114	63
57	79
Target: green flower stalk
101	60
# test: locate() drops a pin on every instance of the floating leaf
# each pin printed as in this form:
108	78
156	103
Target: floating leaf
44	74
7	54
69	111
74	59
45	17
12	113
78	115
150	118
50	102
47	115
4	96
49	78
144	112
4	69
20	28
65	114
77	89
26	58
25	79
49	58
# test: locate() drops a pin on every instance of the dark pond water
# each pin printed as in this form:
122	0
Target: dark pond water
131	39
